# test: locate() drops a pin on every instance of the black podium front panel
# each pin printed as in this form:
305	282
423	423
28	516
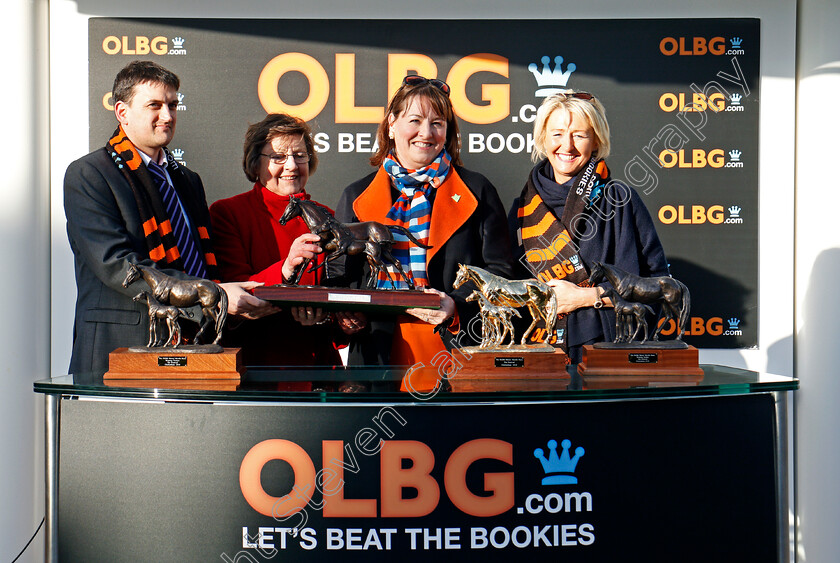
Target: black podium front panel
682	479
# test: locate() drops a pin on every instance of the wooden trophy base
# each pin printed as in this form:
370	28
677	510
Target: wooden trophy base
181	384
518	369
345	299
172	364
643	361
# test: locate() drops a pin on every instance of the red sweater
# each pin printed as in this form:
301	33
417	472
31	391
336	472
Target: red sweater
251	244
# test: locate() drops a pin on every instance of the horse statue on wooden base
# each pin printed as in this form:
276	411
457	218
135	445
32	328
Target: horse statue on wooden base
536	295
373	239
671	293
185	293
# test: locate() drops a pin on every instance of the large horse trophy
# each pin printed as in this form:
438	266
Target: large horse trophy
497	296
171	299
499	300
374	240
634	299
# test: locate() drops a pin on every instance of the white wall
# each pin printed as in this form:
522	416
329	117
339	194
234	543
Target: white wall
817	275
25	281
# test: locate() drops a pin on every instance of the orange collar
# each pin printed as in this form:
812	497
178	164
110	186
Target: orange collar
454	203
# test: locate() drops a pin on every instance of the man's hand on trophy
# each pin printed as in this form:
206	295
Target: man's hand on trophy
242	303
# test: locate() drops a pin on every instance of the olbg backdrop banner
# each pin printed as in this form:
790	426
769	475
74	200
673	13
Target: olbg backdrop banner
689	480
681	96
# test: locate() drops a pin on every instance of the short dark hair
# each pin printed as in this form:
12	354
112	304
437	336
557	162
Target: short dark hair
439	102
139	72
275	125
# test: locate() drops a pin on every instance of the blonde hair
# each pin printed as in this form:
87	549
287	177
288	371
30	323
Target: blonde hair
591	110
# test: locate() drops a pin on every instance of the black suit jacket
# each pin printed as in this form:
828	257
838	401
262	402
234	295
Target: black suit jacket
106	234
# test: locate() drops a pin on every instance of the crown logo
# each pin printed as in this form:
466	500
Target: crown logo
734	211
575	260
735	99
736	42
180	97
550	82
178	154
559	469
733	323
735	155
178	42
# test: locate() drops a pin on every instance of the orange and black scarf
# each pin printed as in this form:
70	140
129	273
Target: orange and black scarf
160	239
550	245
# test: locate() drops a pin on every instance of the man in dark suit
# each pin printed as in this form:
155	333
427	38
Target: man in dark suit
130	202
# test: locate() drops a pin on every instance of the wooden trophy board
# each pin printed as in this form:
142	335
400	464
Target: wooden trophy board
172	364
185	384
639	361
346	299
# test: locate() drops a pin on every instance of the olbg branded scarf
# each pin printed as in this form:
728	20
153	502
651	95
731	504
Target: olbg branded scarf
550	244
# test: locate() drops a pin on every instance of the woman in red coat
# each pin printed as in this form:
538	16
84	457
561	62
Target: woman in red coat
251	245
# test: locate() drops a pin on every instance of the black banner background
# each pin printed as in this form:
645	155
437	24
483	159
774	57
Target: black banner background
670	480
705	205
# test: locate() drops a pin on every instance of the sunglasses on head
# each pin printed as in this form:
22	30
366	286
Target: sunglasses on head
578	95
417	80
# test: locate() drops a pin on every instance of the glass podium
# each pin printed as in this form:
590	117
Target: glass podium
302	463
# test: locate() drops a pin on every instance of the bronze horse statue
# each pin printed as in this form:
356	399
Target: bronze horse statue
536	295
373	239
185	293
671	293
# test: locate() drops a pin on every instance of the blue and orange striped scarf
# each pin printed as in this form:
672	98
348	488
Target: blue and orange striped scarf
412	210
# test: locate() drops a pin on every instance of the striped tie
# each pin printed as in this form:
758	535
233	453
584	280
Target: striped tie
193	263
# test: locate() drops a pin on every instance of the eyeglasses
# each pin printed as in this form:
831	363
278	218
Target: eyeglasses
578	95
417	80
280	159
